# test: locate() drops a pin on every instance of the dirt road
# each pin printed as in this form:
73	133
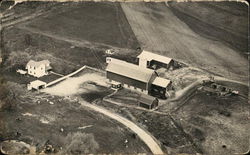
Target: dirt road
159	30
144	136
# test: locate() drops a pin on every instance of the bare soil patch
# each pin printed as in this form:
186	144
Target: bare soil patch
228	25
166	34
77	85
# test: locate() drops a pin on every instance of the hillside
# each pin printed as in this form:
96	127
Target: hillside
222	21
158	29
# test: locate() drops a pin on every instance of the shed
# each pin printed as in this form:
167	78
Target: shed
148	102
37	84
151	60
160	86
161	82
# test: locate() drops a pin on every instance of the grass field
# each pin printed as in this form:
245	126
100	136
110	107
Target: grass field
39	121
74	34
218	124
95	22
162	127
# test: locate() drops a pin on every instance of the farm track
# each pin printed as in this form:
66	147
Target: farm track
144	136
16	19
167	35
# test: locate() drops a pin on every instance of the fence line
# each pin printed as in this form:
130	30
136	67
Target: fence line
66	76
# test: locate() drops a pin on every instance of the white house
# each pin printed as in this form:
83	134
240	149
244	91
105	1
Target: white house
38	68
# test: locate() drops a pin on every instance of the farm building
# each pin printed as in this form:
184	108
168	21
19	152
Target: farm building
154	61
36	85
147	102
114	60
38	68
160	86
130	75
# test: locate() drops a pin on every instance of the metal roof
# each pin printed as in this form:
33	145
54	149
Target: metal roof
161	82
147	99
130	70
149	56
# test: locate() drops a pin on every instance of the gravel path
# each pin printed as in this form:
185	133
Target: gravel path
144	136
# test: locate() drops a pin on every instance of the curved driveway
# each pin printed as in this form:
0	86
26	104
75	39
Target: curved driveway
144	136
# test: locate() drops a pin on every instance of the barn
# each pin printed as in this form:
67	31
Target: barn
154	61
130	75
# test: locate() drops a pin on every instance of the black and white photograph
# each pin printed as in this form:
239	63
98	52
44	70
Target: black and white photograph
128	77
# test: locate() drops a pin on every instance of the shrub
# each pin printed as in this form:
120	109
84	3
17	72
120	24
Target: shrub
80	143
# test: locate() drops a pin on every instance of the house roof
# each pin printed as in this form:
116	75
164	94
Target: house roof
158	81
152	56
37	63
130	70
146	99
37	83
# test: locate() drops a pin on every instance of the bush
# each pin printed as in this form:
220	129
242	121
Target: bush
9	92
80	143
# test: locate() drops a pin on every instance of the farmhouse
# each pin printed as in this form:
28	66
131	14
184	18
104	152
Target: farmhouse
130	75
147	101
154	61
38	68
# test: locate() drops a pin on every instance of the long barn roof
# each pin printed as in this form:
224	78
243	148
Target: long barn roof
130	70
152	56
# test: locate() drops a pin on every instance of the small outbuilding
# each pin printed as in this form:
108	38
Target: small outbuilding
160	86
154	61
116	85
36	85
148	102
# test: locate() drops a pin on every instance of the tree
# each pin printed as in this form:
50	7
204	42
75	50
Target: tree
8	94
80	143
